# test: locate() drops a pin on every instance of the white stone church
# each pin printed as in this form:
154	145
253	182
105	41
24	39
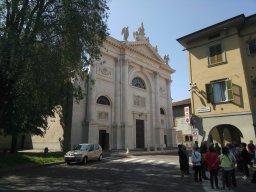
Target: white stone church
129	101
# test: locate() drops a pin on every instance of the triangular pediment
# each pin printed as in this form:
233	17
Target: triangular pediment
146	49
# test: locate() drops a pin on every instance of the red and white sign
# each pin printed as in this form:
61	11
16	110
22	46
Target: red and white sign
194	132
187	115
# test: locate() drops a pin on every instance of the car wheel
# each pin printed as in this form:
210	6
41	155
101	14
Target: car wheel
84	160
100	157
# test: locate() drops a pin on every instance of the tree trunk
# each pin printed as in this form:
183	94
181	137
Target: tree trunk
14	143
67	118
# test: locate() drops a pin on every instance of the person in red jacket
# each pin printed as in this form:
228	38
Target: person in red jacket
213	163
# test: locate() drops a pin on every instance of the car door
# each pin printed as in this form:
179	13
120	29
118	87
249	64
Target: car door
97	151
91	154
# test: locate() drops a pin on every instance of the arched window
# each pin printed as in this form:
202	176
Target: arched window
162	111
138	82
103	100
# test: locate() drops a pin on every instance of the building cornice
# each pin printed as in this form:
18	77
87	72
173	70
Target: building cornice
237	21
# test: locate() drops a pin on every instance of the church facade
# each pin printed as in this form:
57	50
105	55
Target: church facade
128	98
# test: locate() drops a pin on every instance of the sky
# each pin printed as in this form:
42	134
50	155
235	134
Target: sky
167	20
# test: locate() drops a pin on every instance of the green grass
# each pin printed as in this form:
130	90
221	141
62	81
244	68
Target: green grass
15	160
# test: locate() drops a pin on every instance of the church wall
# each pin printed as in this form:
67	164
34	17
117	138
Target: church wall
53	137
78	123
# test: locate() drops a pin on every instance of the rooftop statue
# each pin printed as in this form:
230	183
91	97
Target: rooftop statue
166	59
156	48
125	33
139	35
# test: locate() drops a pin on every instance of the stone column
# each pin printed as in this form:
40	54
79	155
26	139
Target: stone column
91	107
124	101
117	110
92	100
171	132
157	110
169	104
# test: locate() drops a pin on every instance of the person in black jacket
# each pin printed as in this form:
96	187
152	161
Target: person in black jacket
203	150
245	160
183	160
251	150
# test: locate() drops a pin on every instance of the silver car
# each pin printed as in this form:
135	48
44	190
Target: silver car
83	153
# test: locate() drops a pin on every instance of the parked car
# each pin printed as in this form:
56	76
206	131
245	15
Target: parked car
83	153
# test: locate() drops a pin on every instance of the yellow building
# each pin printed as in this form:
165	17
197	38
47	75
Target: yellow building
222	65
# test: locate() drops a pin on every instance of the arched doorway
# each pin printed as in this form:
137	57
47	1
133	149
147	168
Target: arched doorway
224	134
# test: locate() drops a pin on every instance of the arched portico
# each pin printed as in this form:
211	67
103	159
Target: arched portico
225	133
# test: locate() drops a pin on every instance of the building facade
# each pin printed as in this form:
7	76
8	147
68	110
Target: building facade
223	79
182	122
128	105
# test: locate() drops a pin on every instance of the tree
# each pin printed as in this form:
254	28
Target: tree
43	44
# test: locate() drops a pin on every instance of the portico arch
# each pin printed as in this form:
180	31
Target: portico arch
225	133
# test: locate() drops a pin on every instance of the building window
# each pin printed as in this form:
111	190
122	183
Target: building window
175	122
216	54
219	91
251	47
188	138
103	100
162	111
138	82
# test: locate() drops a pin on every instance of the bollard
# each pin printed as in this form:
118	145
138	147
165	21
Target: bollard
127	150
148	148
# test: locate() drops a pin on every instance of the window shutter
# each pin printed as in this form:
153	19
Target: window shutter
218	53
212	54
229	89
209	94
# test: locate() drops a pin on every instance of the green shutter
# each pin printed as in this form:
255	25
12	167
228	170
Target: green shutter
219	53
209	93
216	54
229	89
212	53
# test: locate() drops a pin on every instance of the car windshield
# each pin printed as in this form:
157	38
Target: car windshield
82	147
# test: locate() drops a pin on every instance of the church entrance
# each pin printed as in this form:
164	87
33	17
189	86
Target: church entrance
140	140
104	139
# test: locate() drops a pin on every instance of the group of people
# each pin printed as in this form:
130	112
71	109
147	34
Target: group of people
215	159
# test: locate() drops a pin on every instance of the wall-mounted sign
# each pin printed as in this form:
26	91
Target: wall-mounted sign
186	114
194	132
203	109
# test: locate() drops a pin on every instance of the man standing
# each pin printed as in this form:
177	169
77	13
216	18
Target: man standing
203	150
246	159
251	150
